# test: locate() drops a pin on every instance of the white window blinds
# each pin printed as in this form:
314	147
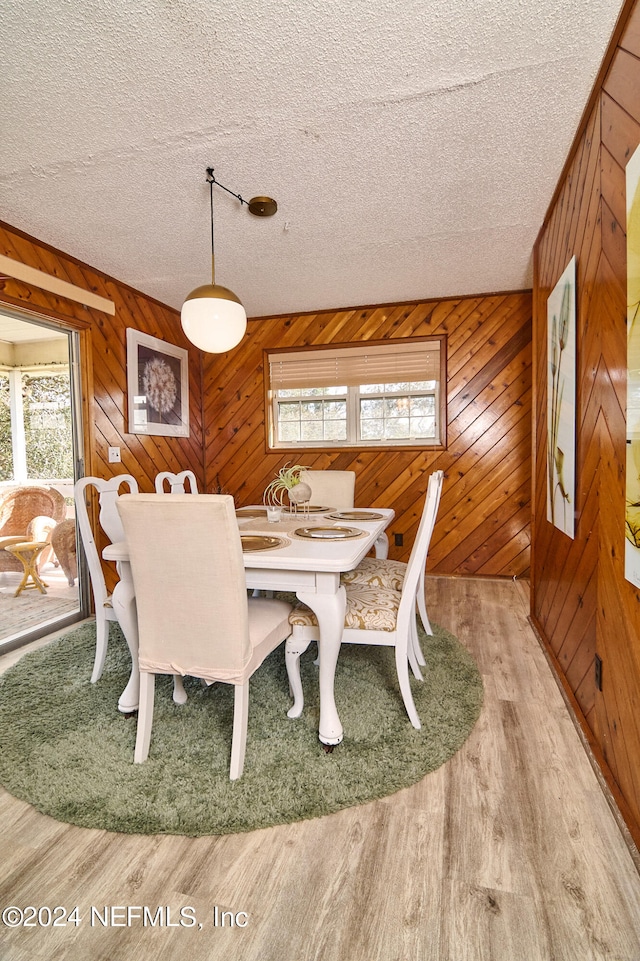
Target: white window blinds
396	362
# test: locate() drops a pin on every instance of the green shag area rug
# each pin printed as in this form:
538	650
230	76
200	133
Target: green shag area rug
66	749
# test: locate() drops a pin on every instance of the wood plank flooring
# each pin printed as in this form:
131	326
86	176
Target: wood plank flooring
509	852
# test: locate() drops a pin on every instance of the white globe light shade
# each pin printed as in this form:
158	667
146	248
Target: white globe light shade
213	318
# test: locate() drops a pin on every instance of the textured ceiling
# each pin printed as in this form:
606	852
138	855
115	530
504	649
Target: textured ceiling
412	145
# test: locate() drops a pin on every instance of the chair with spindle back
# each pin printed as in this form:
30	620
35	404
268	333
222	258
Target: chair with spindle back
108	492
176	482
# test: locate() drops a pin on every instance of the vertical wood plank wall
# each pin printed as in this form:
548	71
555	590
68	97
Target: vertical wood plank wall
483	523
103	347
581	602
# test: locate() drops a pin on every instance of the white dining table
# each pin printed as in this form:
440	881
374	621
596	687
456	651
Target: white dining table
307	566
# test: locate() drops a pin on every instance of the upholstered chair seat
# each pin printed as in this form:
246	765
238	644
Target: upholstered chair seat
377	572
389	574
368	609
376	613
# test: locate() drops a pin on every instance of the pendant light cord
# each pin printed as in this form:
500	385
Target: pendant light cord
212	180
213	256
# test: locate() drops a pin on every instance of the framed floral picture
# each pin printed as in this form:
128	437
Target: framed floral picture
157	386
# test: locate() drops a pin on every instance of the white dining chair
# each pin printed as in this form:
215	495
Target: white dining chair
331	488
390	574
177	482
194	616
375	615
108	492
337	489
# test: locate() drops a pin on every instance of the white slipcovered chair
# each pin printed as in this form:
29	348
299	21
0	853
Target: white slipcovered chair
331	488
108	492
375	614
194	616
337	489
374	572
177	482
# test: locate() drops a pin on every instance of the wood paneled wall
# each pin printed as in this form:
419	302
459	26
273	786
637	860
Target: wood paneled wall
581	602
103	359
483	522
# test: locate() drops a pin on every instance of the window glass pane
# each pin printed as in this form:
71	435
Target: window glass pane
335	430
311	410
311	430
397	428
372	429
371	388
422	405
423	426
371	408
312	392
396	406
289	411
289	431
47	424
335	409
397	388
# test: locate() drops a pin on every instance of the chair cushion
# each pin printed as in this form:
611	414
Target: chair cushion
377	572
367	610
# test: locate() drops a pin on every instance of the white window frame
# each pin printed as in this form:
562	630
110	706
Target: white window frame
288	368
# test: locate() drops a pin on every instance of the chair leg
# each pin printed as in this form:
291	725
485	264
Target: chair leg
293	648
422	607
240	724
381	546
102	640
402	667
179	693
145	717
412	652
414	641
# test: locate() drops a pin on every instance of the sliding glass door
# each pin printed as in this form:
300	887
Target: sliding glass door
40	458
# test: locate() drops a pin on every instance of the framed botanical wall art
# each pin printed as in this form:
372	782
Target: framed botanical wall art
561	402
632	505
157	386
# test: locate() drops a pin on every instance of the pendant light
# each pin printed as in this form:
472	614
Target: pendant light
212	316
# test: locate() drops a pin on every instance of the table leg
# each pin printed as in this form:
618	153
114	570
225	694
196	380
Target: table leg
329	608
124	606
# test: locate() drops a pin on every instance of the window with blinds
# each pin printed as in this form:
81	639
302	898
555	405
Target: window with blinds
359	396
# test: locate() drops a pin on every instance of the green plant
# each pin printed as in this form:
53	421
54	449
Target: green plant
286	479
6	449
